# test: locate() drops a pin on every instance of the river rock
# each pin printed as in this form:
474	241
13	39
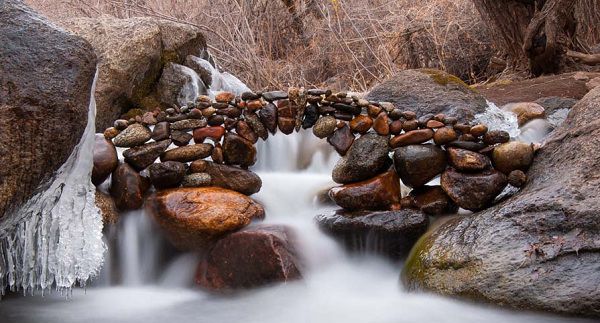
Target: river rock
229	177
341	139
427	91
540	248
367	157
128	187
324	127
132	53
161	131
473	191
381	125
196	180
286	116
187	153
188	124
418	164
254	122
167	174
46	76
361	124
214	133
105	159
496	137
238	151
268	116
379	193
143	156
181	138
514	155
107	207
517	178
135	135
433	200
243	129
412	138
194	218
389	232
253	257
467	161
526	111
311	115
177	85
444	135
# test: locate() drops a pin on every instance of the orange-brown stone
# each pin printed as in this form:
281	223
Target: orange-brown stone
361	124
381	192
412	138
214	133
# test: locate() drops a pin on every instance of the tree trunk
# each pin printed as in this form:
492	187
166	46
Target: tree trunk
534	34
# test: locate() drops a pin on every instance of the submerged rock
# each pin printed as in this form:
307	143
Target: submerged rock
254	257
367	157
526	111
389	232
378	193
194	218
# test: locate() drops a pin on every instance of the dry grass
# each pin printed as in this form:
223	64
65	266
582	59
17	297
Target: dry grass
343	44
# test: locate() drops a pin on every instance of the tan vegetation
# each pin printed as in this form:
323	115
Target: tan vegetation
345	44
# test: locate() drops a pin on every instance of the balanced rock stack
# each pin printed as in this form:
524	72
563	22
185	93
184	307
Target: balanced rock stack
204	151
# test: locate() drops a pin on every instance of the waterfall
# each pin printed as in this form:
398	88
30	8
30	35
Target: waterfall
58	238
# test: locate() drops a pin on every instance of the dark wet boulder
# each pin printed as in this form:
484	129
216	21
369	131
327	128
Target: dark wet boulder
467	161
538	249
167	174
388	232
381	192
143	156
128	187
105	159
254	257
418	164
46	77
473	191
367	157
433	200
238	151
427	91
229	177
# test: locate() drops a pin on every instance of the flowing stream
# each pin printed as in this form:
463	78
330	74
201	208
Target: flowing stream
145	280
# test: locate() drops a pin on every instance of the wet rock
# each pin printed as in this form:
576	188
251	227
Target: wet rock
379	193
433	124
188	124
105	159
311	115
128	188
473	191
467	161
254	122
517	178
143	156
496	137
217	154
202	67
175	84
214	133
381	124
514	155
444	135
135	135
410	125
552	104
148	118
429	91
215	120
253	257
389	232
167	174
107	207
478	130
111	133
161	131
468	145
526	111
120	124
194	218
238	151
224	97
412	138
229	177
361	124
341	139
324	127
433	200
268	116
181	138
367	157
418	164
286	116
187	153
396	127
539	249
275	96
196	180
243	129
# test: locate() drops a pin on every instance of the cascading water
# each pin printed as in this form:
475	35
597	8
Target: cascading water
146	281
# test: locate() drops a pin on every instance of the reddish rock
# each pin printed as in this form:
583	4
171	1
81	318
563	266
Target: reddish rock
341	139
473	191
194	218
526	111
238	151
254	257
105	159
411	138
187	153
517	178
433	200
143	156
467	161
444	135
225	97
379	193
396	127
374	111
433	124
381	124
243	129
254	105
161	131
361	124
217	154
286	116
410	125
254	122
478	130
214	133
128	187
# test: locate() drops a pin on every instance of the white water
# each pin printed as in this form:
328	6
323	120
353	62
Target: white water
55	239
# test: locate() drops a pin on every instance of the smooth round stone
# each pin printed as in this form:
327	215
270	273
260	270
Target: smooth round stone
128	187
411	138
418	164
361	124
467	161
517	178
120	124
217	154
409	115
468	145
462	128
105	159
134	135
224	97
527	111
434	124
473	191
410	125
187	153
496	137
381	125
196	180
514	155
433	200
238	151
214	133
268	116
379	193
396	127
166	175
111	133
286	116
444	135
143	156
188	124
374	111
324	127
243	129
478	130
161	131
275	96
367	157
208	112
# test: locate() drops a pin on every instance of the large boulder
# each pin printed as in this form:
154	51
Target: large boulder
194	218
132	53
254	257
426	91
392	233
540	248
46	76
